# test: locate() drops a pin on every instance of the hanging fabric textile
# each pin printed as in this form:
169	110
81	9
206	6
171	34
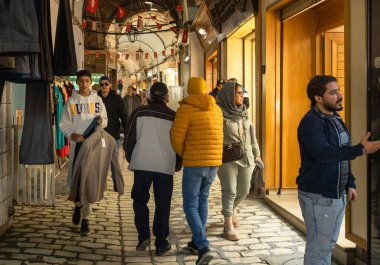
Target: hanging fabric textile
17	26
37	136
59	137
45	36
65	60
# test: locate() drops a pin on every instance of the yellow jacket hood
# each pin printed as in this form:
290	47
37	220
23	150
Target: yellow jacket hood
203	102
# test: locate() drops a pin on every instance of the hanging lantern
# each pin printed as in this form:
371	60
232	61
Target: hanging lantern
84	24
120	11
159	26
126	56
108	55
146	56
128	26
185	36
153	17
179	8
140	24
117	56
172	52
86	52
174	29
163	53
155	55
92	6
93	26
97	55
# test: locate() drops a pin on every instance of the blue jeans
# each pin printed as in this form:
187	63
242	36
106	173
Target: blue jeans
323	219
196	185
112	169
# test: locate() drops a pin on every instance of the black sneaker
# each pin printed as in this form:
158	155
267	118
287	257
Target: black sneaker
76	215
84	227
160	251
114	187
192	247
204	256
142	245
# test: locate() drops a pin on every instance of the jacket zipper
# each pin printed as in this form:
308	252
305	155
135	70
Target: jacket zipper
337	189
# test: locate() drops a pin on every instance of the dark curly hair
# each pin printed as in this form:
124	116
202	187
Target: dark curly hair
317	86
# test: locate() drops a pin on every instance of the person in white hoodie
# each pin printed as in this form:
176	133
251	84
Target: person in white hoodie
77	115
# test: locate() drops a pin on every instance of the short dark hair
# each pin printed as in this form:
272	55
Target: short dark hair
317	86
84	73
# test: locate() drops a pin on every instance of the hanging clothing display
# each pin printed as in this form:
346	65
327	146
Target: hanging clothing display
59	137
17	26
27	68
45	37
37	136
65	60
2	85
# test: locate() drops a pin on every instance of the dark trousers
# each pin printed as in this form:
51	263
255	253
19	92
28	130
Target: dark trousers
163	189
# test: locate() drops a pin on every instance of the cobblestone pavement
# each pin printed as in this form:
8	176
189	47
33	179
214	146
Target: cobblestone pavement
45	235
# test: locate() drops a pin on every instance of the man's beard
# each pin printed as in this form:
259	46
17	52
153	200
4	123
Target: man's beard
333	108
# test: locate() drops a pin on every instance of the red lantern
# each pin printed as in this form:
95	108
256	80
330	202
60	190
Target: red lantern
108	55
97	54
159	26
163	53
155	55
172	52
146	55
140	23
120	11
154	17
117	56
179	8
84	24
174	29
126	56
137	56
92	6
185	36
128	26
86	52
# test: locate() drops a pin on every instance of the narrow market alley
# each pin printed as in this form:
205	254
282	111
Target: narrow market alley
46	235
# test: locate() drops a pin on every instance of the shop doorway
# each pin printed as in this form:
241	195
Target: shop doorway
211	71
312	43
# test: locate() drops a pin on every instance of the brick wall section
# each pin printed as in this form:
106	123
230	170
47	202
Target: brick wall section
6	177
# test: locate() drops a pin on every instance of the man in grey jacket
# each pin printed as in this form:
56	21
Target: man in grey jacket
152	158
131	100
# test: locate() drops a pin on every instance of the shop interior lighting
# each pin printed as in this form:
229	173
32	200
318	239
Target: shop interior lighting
149	3
202	31
153	9
187	58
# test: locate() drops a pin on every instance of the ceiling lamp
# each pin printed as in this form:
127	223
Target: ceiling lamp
202	31
132	34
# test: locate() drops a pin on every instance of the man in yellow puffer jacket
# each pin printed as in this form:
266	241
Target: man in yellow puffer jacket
197	136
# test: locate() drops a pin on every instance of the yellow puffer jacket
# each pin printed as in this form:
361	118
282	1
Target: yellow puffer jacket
197	131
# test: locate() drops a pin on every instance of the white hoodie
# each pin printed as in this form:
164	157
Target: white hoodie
77	115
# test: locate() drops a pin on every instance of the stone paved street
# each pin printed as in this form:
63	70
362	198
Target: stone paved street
45	235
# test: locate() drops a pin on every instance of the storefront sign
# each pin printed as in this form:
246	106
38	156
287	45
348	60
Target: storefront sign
224	9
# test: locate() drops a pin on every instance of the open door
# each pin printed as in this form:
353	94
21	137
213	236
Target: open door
334	59
297	70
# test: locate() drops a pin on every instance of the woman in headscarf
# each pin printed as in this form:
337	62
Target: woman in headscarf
235	176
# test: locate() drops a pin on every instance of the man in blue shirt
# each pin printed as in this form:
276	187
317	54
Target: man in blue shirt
325	176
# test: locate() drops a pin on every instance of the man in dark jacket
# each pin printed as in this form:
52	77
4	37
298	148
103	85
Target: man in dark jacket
151	156
131	100
325	176
116	112
219	85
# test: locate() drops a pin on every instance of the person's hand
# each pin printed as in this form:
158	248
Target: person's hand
259	162
76	137
370	146
352	194
100	119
